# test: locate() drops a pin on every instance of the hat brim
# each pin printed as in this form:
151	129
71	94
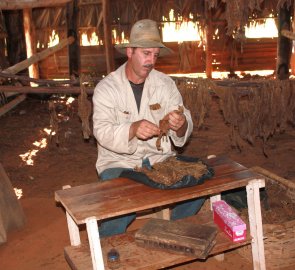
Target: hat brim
146	44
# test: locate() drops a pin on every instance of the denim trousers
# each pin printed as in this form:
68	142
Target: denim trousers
119	225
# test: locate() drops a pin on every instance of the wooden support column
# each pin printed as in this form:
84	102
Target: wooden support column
3	61
108	36
15	38
209	34
292	60
74	48
30	42
284	44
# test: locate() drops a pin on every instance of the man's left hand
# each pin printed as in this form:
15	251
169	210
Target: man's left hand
177	122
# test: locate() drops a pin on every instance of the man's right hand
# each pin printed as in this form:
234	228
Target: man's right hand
143	130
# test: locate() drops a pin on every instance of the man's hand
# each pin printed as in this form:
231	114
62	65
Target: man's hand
143	130
177	122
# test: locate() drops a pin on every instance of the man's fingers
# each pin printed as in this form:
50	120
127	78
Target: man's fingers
176	120
147	130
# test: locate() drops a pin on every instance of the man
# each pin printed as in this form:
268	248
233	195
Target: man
128	105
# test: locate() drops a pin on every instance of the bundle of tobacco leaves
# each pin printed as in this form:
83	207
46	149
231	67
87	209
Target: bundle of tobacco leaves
173	170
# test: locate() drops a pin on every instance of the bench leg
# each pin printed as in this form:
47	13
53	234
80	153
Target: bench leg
72	227
94	244
163	214
73	231
255	220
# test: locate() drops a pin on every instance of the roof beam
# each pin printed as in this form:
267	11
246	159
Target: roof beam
22	4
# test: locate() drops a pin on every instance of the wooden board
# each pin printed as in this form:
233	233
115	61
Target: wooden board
134	257
11	213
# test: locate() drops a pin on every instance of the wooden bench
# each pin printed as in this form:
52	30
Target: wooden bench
94	202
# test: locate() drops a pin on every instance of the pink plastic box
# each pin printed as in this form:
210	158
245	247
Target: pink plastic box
228	221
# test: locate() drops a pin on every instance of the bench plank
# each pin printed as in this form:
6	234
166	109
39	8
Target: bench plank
105	199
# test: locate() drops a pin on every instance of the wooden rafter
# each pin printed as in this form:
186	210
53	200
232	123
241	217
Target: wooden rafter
22	4
89	2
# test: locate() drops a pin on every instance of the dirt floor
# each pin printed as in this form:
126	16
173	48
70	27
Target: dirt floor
39	245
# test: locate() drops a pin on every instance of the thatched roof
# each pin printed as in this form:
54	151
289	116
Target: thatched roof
52	14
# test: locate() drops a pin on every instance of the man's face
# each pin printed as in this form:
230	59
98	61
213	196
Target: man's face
140	62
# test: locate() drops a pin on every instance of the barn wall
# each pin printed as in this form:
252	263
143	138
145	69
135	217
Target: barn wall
252	55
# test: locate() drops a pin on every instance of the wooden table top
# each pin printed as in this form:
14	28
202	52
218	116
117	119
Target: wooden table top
122	196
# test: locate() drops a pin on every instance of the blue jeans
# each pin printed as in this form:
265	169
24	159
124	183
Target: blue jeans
119	224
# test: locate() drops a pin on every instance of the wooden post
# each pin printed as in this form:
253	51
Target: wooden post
284	44
30	42
292	60
209	34
74	48
15	38
108	36
3	60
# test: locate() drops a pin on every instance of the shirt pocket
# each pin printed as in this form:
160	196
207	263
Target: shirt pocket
157	112
123	116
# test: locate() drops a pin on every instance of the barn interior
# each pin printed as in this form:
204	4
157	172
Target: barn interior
233	63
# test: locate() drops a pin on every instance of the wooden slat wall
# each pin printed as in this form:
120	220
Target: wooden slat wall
254	55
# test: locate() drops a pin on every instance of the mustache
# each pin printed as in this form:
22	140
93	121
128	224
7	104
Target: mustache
150	66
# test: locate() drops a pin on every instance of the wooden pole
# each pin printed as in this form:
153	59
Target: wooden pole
7	107
39	56
284	44
292	60
209	33
44	90
108	36
23	4
30	42
3	60
74	48
39	81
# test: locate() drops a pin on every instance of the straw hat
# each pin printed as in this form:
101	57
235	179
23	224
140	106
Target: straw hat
144	34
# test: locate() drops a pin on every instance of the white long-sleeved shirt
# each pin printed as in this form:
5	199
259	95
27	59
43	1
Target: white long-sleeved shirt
115	109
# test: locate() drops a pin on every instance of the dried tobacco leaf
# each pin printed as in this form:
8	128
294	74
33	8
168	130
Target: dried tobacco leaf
172	170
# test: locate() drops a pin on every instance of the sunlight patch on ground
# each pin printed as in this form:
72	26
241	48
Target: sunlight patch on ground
18	193
41	144
29	156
